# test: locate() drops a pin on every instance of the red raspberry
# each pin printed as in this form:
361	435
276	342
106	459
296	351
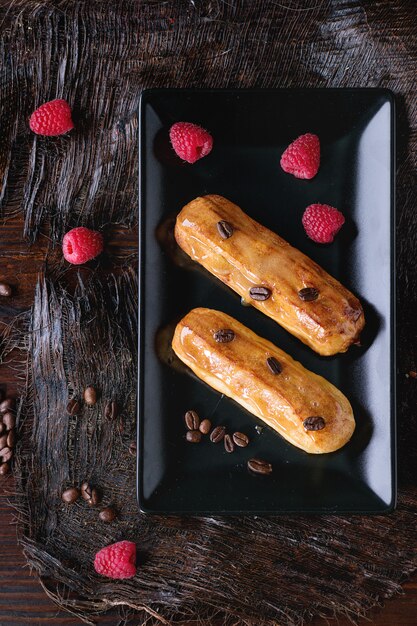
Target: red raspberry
52	118
302	157
117	560
322	222
190	142
81	245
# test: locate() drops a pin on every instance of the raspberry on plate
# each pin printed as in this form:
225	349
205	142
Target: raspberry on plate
118	560
302	157
52	118
190	142
322	222
81	245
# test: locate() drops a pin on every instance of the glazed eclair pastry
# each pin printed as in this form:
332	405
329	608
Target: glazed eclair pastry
270	274
303	407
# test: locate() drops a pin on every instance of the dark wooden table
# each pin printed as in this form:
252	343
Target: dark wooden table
22	599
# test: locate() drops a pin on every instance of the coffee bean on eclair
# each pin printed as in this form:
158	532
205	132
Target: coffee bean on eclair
6	454
205	427
73	407
258	466
192	421
260	293
217	434
70	495
314	423
11	438
90	396
308	294
274	365
224	335
9	420
108	514
225	229
7	405
240	439
5	290
4	469
193	436
229	446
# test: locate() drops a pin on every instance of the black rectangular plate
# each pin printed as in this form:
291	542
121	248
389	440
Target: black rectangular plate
251	129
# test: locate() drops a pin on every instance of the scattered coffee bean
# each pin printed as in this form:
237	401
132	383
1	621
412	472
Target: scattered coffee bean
112	410
11	438
73	407
225	229
7	405
274	365
90	396
107	515
5	290
9	420
90	494
308	294
217	434
258	466
412	374
224	335
193	436
6	454
192	421
133	448
4	469
70	495
3	441
205	427
229	446
240	439
260	293
314	423
2	428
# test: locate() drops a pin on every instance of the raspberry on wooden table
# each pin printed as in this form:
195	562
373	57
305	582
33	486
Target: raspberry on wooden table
302	157
81	245
190	142
322	222
52	118
117	560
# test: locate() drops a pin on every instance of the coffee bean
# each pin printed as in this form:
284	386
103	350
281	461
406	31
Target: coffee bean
86	490
229	446
274	365
5	290
224	335
9	420
2	428
70	495
133	448
205	427
217	434
11	438
240	439
107	515
193	436
258	466
225	229
73	407
192	421
3	441
4	469
6	454
7	405
111	410
314	423
308	294
260	293
90	396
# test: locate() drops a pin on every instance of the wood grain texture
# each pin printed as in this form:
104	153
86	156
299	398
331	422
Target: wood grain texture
100	56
